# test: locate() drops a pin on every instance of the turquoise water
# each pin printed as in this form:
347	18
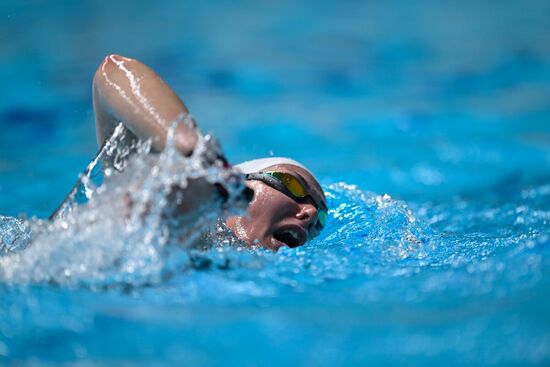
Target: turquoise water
427	124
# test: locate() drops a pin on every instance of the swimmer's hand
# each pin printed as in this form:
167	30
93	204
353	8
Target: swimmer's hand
200	191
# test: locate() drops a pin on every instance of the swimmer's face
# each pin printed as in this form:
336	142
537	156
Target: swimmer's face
274	219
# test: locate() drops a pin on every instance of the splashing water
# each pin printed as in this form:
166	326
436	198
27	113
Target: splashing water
385	277
379	282
116	223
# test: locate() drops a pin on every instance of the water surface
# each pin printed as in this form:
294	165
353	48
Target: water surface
427	124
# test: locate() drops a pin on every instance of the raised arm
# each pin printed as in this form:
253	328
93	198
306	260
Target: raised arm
127	90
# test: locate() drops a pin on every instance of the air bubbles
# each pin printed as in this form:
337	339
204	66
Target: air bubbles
14	235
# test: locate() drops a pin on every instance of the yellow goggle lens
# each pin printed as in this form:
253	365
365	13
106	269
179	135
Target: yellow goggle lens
296	189
291	183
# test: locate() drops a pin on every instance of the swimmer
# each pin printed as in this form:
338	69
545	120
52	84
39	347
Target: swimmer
288	206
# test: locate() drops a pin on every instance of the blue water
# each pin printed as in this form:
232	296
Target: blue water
427	123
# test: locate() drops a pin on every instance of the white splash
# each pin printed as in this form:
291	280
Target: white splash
130	224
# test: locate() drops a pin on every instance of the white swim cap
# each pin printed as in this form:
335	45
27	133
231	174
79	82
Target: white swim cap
257	165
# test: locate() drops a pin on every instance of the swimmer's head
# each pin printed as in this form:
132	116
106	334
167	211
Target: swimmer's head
288	207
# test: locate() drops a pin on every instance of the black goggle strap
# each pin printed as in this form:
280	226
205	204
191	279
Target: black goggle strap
271	181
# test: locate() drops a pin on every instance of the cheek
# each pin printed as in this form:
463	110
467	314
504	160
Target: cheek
259	219
260	201
270	206
264	204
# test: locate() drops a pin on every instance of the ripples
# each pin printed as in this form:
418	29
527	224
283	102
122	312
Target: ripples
433	277
460	247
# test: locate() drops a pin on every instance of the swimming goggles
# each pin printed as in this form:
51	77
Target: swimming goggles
293	188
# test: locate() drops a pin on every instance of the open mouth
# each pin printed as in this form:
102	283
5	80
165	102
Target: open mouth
292	237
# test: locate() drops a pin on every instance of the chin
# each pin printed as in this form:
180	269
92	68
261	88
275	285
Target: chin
269	243
273	244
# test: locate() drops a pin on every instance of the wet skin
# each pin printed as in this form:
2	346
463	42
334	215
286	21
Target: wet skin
127	90
272	213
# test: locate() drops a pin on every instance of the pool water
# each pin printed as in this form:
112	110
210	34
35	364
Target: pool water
427	124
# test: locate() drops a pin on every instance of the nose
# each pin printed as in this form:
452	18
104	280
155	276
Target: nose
308	214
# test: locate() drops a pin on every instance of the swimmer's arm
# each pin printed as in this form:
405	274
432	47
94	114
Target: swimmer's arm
127	90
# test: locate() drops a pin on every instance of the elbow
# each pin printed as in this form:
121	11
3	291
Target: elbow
110	65
104	69
112	60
